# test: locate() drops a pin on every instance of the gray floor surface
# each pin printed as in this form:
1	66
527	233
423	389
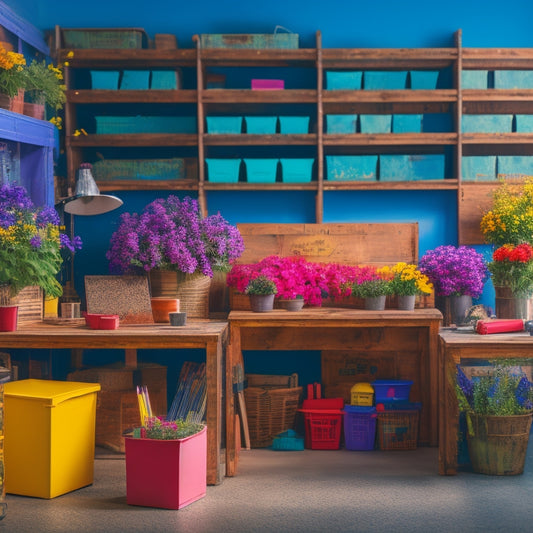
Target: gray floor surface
304	491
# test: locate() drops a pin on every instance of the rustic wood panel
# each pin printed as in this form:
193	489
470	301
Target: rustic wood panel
474	200
375	244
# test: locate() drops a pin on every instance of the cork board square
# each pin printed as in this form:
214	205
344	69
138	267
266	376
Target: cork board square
125	296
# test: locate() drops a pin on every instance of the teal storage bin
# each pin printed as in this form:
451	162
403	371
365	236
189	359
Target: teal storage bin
142	124
223	170
515	166
424	79
293	125
105	79
487	123
341	123
164	80
261	125
375	123
524	123
224	125
478	168
382	80
407	123
135	80
296	170
402	167
343	80
513	79
351	167
474	79
261	170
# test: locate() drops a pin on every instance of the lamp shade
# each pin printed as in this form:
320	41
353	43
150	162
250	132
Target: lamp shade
87	199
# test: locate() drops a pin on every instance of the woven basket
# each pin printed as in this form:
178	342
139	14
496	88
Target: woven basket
29	301
192	290
270	411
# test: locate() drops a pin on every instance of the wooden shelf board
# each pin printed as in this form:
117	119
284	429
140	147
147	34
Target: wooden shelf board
152	96
134	139
148	185
447	184
390	139
245	139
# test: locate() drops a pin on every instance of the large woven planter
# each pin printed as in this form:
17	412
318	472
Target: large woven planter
192	290
499	443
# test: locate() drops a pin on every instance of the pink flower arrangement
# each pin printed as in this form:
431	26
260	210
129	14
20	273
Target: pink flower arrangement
296	277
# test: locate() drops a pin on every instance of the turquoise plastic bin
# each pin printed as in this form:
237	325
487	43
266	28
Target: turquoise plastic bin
341	124
135	80
424	79
105	79
487	123
164	79
382	80
261	170
296	170
478	168
475	79
223	170
261	125
407	123
524	123
515	166
224	125
513	79
351	167
343	80
375	123
399	167
294	125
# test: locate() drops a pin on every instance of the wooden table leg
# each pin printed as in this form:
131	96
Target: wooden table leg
76	358
234	354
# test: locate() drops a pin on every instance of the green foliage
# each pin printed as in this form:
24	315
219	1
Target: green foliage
171	430
372	288
44	83
261	285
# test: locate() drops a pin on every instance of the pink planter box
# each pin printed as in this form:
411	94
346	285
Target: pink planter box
168	474
267	85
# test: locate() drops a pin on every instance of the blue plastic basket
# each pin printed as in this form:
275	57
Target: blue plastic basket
293	125
375	123
359	427
296	170
135	80
223	170
261	125
513	79
343	80
407	123
341	123
382	80
391	390
400	167
288	440
478	167
164	79
475	79
424	79
104	79
224	125
261	170
487	123
515	166
351	167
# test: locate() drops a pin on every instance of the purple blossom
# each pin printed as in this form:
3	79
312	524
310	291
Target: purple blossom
455	271
171	234
36	241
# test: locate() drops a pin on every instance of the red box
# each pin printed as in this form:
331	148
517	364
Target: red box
168	474
267	85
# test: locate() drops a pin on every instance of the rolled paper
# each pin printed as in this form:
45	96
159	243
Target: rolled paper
486	327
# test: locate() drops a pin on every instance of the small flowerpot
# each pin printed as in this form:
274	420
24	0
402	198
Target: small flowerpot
178	319
295	304
406	302
459	306
161	307
8	317
261	303
375	303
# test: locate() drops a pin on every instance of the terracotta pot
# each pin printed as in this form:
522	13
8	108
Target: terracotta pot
161	307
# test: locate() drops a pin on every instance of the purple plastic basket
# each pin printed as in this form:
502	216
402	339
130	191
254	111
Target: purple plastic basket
359	427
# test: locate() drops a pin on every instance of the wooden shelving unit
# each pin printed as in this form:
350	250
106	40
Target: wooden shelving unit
451	102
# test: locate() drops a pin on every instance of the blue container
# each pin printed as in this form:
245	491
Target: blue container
351	167
524	123
341	123
359	427
223	170
141	124
296	170
104	79
261	125
515	166
513	79
135	80
293	125
487	123
474	79
375	123
224	125
391	390
411	167
164	79
288	440
261	170
376	80
424	79
407	123
478	168
343	80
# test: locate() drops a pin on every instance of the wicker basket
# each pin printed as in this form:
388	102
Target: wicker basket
398	429
192	290
270	410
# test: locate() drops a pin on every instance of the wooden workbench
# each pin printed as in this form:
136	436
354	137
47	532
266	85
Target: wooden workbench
459	346
411	334
203	334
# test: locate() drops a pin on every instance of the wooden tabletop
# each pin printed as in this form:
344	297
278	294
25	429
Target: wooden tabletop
468	337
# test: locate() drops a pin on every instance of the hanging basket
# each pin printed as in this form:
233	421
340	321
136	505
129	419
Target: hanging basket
499	443
192	290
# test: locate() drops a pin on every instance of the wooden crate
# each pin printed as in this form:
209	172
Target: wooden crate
117	412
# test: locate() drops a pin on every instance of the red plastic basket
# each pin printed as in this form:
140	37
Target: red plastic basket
323	423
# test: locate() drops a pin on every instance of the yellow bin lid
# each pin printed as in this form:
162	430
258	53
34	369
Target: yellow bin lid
52	392
362	387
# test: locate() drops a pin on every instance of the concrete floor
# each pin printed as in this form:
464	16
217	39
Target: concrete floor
305	491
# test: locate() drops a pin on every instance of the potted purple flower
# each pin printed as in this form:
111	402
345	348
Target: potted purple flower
458	274
178	248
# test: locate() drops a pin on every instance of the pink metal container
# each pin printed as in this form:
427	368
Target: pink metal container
267	85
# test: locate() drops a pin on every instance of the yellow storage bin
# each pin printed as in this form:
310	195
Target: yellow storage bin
362	394
49	436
